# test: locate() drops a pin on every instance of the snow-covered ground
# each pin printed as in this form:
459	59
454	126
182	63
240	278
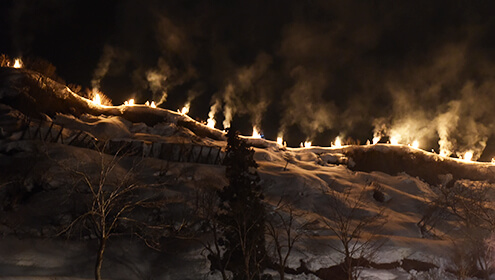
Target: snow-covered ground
407	179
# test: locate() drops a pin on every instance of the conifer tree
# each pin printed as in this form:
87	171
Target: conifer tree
241	212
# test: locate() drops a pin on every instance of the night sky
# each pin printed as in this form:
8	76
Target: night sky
310	69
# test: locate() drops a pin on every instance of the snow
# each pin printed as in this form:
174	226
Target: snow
301	177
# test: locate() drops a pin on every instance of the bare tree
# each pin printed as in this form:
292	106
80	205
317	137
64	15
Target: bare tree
206	205
283	232
472	209
111	200
355	227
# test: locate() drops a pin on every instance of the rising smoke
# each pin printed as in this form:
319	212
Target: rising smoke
409	70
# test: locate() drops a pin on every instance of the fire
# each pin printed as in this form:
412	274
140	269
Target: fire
376	139
415	144
280	140
97	99
211	123
152	104
394	140
185	109
17	63
256	133
493	160
130	102
338	143
468	156
444	153
306	144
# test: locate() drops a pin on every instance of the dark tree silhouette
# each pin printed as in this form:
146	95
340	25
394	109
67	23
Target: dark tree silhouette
241	212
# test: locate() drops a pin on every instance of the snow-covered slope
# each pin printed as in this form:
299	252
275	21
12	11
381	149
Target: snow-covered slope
42	126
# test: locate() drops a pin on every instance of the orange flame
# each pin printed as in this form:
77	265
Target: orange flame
153	105
256	133
185	109
394	140
306	144
211	123
415	144
97	99
338	143
130	102
18	63
468	156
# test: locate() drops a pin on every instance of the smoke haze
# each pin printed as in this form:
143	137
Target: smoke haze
310	70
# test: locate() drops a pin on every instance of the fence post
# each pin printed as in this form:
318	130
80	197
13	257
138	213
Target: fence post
38	130
218	156
180	153
48	132
60	134
73	139
199	154
27	128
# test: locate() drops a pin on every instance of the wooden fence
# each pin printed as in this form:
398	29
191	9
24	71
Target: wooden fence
178	152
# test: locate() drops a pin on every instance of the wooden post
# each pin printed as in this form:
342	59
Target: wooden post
48	132
218	156
180	153
38	129
73	139
27	128
199	154
60	134
190	154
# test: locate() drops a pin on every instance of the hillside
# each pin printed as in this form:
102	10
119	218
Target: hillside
49	133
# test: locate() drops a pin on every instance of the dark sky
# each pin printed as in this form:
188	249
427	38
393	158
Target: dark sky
416	70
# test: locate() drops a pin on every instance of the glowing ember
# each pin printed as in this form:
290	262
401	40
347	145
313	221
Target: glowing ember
130	102
415	144
394	140
185	109
256	133
18	63
153	105
338	143
468	156
376	140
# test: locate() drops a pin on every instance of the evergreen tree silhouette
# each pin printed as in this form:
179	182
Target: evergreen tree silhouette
241	212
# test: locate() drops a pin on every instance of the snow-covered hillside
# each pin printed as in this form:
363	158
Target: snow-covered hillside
47	130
